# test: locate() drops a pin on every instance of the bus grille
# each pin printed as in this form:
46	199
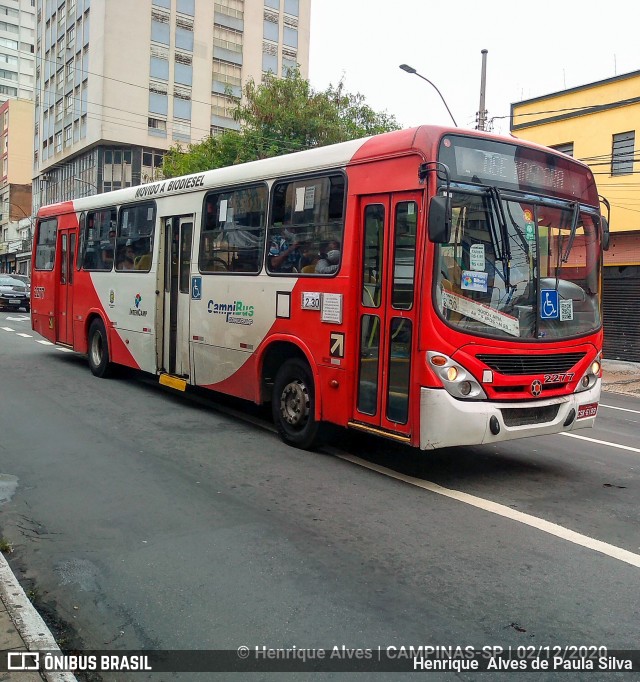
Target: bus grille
523	416
531	364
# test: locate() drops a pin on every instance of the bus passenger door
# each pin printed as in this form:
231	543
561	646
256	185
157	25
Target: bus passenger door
64	293
178	233
387	311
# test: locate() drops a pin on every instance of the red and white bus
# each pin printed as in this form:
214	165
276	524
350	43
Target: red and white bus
435	286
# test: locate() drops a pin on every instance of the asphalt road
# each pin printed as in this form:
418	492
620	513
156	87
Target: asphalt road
143	519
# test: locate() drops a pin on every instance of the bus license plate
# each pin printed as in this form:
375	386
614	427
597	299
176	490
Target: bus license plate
587	410
14	301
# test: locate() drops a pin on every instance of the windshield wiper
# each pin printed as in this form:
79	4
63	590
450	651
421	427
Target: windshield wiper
574	229
505	250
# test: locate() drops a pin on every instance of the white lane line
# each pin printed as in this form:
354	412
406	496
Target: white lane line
8	329
17	319
64	350
622	409
45	343
602	442
501	510
26	336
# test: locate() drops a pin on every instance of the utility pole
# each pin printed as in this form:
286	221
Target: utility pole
482	113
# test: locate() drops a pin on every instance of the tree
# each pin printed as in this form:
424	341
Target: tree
280	116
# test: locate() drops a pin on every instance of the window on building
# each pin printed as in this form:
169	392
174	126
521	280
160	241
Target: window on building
157	124
184	38
270	63
290	36
292	7
160	30
622	153
270	30
159	68
565	148
186	7
275	4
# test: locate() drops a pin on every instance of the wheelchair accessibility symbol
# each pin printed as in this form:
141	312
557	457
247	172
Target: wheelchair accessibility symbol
549	304
196	288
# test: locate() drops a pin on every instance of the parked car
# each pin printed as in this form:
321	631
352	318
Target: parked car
25	279
14	294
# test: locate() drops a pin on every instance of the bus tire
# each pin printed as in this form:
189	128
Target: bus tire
99	350
293	405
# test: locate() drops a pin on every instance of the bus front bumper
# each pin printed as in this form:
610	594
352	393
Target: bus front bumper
447	422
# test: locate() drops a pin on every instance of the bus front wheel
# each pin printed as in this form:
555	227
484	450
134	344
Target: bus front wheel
293	405
99	350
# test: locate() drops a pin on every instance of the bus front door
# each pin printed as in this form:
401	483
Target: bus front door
178	233
387	312
64	289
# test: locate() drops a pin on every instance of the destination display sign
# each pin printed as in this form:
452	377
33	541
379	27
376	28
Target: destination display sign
511	166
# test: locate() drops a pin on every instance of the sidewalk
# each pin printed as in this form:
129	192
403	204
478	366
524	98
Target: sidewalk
22	629
621	377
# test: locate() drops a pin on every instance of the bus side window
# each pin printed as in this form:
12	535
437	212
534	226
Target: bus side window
232	237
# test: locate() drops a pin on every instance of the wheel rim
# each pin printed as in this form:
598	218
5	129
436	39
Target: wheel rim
96	350
295	404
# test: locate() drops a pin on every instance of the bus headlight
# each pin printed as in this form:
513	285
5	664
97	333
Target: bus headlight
590	376
457	381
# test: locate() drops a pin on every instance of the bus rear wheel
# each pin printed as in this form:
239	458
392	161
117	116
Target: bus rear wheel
99	350
293	405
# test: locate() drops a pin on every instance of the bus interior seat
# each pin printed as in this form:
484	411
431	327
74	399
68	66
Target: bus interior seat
143	262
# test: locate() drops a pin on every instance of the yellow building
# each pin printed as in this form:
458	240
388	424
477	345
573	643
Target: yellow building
597	123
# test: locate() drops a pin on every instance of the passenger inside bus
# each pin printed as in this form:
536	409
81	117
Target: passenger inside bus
284	251
106	256
329	258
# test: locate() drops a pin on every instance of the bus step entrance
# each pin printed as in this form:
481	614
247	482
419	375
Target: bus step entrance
173	382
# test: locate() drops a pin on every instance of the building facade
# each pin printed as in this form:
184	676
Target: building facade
119	82
17	49
16	139
599	124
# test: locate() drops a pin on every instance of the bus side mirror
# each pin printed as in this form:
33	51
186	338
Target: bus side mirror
605	234
440	219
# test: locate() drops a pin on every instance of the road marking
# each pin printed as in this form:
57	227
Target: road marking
8	329
45	343
26	336
602	442
507	512
622	409
63	350
17	319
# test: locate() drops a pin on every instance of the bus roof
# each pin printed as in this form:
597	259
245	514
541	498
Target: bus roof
423	138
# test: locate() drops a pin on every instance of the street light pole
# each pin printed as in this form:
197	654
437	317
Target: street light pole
410	69
86	182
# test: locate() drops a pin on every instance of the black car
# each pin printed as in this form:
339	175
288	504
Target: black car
14	294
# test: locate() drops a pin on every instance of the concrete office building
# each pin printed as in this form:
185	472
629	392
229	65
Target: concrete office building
119	82
17	49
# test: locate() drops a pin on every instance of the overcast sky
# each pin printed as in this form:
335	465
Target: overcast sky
534	48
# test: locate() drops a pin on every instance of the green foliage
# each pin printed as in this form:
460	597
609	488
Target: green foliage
280	116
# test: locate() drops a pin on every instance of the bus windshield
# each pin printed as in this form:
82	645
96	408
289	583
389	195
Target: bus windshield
519	268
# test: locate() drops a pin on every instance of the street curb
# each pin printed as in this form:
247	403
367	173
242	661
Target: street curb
33	630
